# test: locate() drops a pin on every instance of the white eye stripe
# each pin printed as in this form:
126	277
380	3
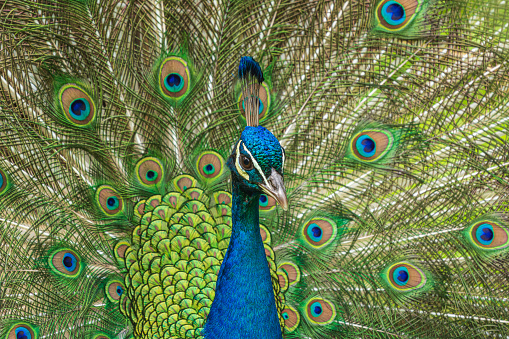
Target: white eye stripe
283	152
237	163
255	163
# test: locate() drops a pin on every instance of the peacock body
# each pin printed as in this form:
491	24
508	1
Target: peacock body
121	121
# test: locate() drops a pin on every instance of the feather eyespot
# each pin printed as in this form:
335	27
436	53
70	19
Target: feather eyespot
4	182
183	182
283	280
489	235
119	251
174	77
394	15
319	232
371	145
77	105
149	171
291	318
263	99
22	331
266	202
114	290
109	200
292	271
320	311
66	262
405	277
222	197
265	234
210	165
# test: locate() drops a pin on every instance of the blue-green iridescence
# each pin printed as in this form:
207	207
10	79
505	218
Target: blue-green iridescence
174	82
400	276
112	203
240	296
23	333
151	175
79	109
69	261
316	309
260	103
285	315
264	200
209	169
366	146
393	13
315	232
484	234
120	290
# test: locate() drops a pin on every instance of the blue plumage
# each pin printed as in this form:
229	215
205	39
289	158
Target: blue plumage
244	293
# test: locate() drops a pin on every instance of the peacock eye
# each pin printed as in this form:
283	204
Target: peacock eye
114	290
77	105
22	331
246	163
174	77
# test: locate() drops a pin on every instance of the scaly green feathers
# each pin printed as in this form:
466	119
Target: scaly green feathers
174	261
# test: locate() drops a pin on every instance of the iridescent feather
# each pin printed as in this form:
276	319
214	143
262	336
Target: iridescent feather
119	120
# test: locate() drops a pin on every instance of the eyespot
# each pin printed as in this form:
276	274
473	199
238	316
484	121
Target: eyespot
114	290
404	277
77	105
291	317
319	232
265	234
183	182
266	202
489	235
66	262
4	182
149	171
210	165
320	311
109	200
395	15
292	271
371	145
174	77
263	102
101	336
283	280
245	162
22	331
222	197
119	251
260	105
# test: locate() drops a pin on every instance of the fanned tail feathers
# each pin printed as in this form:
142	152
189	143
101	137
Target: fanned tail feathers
116	119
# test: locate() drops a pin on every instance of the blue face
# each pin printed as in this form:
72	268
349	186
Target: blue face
255	156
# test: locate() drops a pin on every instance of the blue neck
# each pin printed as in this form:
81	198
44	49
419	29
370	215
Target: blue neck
244	305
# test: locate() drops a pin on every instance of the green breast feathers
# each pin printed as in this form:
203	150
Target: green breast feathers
173	259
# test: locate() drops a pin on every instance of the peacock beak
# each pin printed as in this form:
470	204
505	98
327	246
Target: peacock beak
276	189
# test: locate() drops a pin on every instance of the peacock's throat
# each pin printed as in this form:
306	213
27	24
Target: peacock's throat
244	294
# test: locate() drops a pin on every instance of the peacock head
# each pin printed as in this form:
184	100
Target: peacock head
257	162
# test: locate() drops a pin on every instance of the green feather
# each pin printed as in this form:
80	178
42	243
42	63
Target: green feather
393	116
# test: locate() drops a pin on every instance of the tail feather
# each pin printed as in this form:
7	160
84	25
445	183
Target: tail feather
394	137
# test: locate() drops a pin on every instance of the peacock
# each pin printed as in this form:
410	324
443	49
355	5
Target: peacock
254	169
